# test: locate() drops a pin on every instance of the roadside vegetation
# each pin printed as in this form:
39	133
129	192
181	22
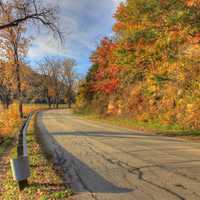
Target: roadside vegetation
46	179
23	89
148	73
52	82
149	127
10	123
53	79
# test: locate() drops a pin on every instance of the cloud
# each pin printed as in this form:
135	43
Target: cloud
117	2
84	22
46	45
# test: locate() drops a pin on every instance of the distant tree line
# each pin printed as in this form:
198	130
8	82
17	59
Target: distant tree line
55	80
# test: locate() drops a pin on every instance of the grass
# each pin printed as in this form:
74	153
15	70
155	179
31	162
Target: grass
10	122
45	182
150	126
5	144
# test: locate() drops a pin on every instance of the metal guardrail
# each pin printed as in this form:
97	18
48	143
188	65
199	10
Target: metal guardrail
20	166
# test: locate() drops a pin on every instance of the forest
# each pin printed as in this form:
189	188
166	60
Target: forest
52	81
149	70
117	118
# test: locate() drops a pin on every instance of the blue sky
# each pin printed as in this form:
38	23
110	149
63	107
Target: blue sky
84	22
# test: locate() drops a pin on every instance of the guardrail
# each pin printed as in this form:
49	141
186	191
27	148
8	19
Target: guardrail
20	166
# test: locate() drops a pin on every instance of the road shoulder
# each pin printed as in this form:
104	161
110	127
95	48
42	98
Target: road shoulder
45	181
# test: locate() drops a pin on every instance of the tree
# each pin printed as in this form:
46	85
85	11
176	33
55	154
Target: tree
16	47
14	16
6	84
50	69
58	80
69	78
16	12
150	69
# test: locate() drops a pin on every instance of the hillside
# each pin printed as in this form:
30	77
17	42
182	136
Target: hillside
149	71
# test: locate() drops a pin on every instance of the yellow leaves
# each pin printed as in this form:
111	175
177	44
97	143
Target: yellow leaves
181	77
190	107
192	115
192	51
151	84
9	120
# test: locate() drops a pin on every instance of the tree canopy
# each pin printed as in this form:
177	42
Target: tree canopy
150	69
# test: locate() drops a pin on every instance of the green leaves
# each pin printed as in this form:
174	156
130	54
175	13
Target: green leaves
160	79
155	52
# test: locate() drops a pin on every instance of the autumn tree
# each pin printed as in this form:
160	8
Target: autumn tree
15	45
14	18
6	84
150	70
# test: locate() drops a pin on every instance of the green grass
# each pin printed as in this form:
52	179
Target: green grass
150	126
6	143
45	182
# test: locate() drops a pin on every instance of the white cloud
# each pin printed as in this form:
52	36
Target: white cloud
45	45
86	20
117	2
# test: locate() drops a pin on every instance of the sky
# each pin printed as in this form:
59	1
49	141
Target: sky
84	23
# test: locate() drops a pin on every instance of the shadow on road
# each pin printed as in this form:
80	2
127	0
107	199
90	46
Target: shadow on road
83	178
119	135
106	134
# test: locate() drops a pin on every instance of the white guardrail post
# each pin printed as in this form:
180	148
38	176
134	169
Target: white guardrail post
20	166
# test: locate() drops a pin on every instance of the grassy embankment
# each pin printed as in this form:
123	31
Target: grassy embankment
10	123
45	182
148	127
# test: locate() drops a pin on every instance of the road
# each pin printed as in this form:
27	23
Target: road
104	162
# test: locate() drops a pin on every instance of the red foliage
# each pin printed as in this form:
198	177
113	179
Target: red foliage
105	80
194	39
106	86
191	3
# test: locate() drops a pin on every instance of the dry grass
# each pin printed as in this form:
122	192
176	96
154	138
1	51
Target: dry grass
10	123
46	181
10	120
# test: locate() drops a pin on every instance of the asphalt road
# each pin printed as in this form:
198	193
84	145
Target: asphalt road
104	162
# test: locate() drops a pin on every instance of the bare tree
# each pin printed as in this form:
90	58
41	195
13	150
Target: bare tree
45	82
69	78
59	78
51	70
32	11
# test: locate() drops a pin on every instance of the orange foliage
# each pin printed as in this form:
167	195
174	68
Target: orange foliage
193	3
10	121
152	64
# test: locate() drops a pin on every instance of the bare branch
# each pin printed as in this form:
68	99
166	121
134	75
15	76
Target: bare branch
29	11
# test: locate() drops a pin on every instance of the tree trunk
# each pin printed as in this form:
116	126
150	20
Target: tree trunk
19	91
69	103
7	103
57	102
49	101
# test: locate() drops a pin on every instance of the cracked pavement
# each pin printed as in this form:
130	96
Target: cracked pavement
105	162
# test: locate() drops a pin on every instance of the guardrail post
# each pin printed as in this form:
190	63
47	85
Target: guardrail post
20	165
21	171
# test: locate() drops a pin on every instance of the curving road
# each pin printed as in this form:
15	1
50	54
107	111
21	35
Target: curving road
104	162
